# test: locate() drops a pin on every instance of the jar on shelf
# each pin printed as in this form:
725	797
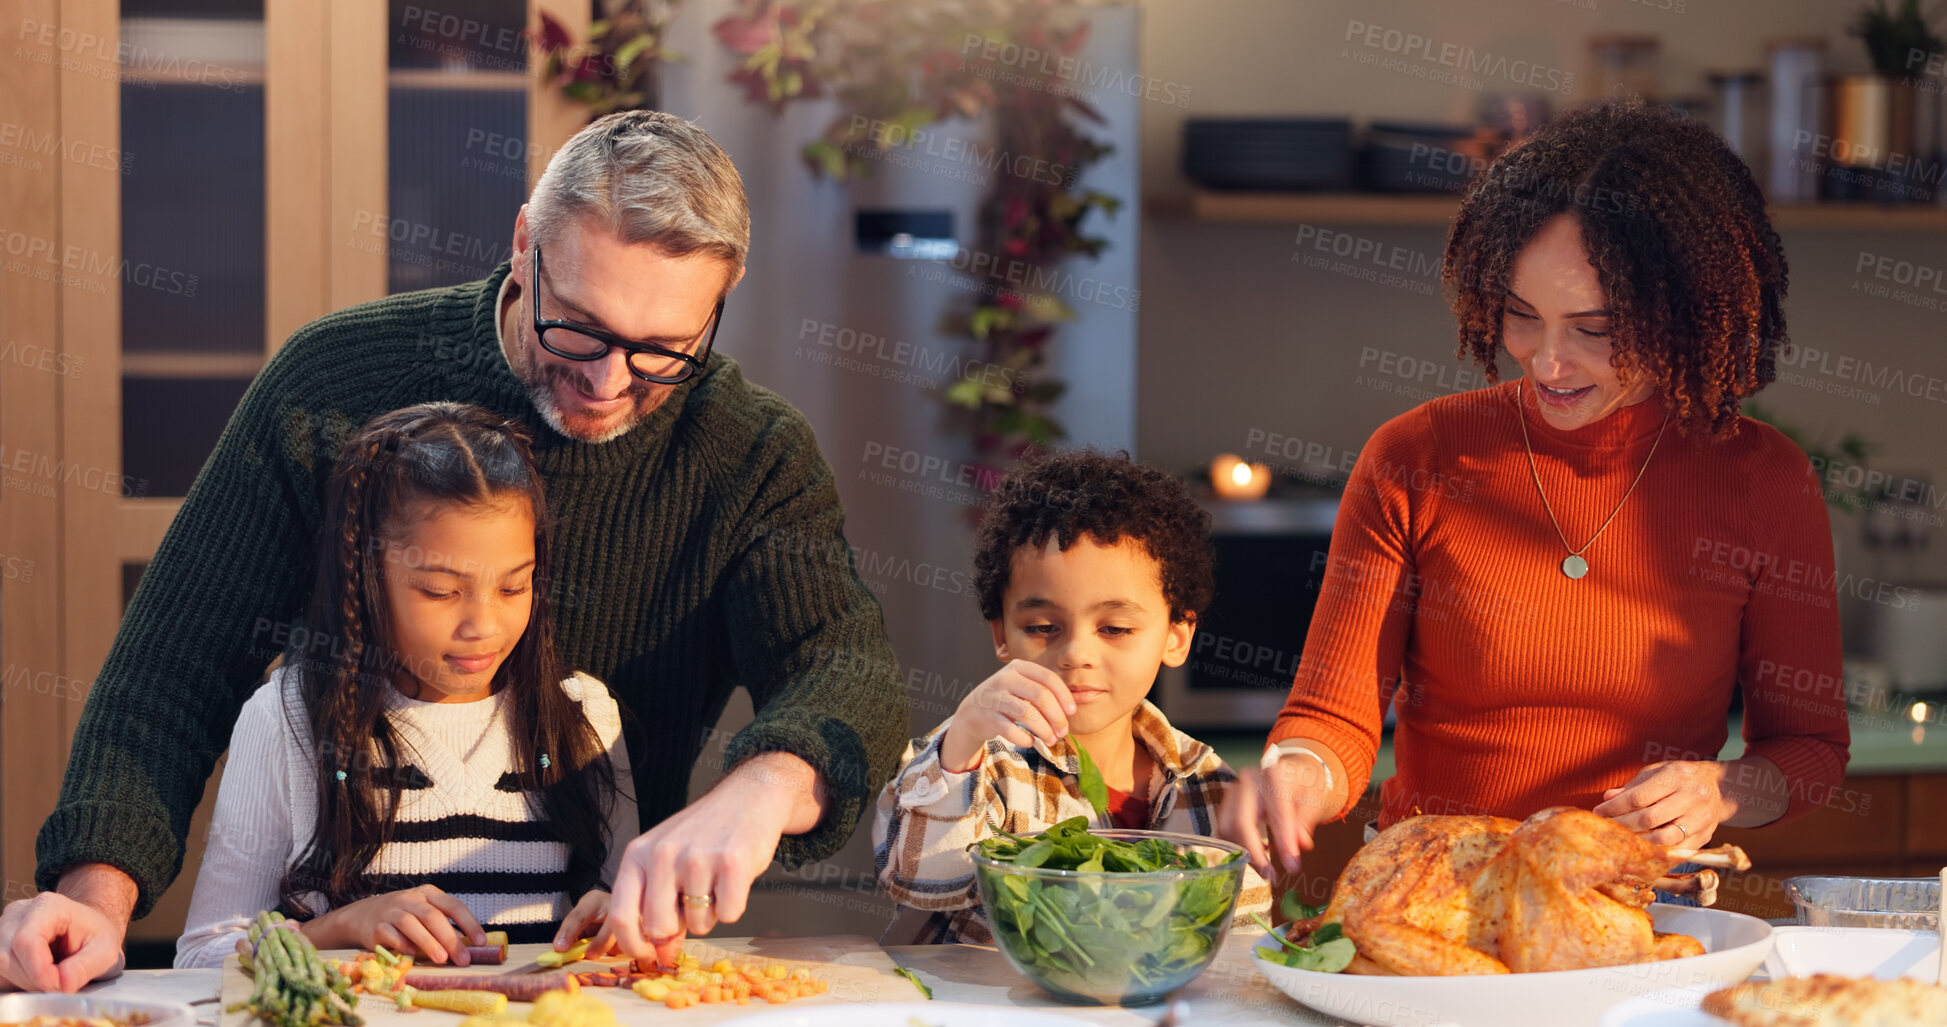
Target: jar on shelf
1626	66
1737	106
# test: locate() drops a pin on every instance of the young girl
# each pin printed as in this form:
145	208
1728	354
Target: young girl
418	771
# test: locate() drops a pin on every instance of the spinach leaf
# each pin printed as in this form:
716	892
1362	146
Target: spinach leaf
1329	950
1295	908
1098	936
1089	777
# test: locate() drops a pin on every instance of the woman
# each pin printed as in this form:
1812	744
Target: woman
1623	551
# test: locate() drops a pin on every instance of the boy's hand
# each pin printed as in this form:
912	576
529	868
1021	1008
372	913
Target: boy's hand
424	920
1021	702
590	915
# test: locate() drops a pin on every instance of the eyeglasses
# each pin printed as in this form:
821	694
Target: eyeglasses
647	361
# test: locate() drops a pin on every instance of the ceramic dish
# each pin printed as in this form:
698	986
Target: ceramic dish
1734	945
1855	952
19	1007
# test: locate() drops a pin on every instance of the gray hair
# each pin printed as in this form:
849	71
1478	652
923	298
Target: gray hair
648	177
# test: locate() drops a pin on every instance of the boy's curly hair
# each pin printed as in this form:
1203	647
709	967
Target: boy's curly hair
1084	493
1675	225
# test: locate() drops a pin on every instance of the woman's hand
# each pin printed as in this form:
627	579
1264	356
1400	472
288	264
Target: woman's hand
1272	813
1675	803
590	915
1682	803
423	920
1021	702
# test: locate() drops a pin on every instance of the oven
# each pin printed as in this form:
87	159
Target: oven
1270	560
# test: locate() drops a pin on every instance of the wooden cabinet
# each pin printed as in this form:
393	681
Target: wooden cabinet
1862	830
186	182
1926	820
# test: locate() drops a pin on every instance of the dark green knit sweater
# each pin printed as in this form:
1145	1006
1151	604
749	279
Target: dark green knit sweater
701	551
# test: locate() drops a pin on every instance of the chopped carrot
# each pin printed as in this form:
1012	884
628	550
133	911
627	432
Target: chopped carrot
456	1001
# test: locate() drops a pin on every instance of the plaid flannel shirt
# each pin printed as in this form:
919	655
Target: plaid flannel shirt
927	817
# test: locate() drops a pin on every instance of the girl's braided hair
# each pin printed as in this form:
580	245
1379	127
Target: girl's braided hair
443	453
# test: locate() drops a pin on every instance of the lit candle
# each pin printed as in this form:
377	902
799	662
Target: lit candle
1232	478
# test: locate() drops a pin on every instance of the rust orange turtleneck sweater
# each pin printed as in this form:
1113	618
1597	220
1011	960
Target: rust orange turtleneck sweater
1519	688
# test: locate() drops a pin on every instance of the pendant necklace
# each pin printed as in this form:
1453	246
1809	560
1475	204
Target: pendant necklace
1575	566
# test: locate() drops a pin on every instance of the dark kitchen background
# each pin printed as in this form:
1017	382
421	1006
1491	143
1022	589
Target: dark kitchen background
1252	289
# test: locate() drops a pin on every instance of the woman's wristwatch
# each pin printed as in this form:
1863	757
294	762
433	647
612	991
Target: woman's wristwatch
1278	750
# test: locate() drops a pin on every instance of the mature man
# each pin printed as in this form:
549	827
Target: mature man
700	548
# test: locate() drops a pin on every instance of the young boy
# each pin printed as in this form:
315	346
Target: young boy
1090	570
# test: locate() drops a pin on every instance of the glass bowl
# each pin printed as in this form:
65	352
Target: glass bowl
1113	938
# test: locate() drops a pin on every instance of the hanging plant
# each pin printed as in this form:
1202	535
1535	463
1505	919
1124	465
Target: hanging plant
1896	38
616	69
896	67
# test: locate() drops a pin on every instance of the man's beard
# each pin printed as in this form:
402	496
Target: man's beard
543	379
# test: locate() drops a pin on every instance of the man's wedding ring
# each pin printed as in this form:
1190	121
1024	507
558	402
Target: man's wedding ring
698	901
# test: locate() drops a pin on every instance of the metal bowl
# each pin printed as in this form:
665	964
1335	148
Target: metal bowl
20	1007
1908	903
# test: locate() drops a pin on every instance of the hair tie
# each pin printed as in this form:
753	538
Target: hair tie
340	775
292	924
545	762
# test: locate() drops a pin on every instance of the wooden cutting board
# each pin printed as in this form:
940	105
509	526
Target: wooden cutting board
858	970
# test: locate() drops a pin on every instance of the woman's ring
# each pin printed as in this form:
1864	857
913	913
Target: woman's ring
1680	827
698	901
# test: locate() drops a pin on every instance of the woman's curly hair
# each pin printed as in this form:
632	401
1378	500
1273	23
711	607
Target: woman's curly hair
1084	493
1675	226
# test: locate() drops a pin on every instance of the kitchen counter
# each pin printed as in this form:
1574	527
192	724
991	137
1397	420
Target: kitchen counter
1230	992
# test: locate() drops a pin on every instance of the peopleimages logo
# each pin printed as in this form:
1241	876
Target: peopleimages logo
1462	59
1068	68
954	149
42	259
1884	377
53	145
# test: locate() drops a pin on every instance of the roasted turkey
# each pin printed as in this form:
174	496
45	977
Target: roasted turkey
1563	890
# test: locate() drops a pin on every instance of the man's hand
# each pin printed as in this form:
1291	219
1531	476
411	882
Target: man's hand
61	940
695	869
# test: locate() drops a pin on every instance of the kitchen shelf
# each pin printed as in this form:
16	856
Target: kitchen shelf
192	74
488	79
1436	211
155	364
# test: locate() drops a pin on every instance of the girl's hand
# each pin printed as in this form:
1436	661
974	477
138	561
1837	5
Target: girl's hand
589	915
424	920
1023	701
1677	803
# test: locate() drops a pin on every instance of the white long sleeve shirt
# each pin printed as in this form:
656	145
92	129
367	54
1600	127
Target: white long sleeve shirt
469	831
